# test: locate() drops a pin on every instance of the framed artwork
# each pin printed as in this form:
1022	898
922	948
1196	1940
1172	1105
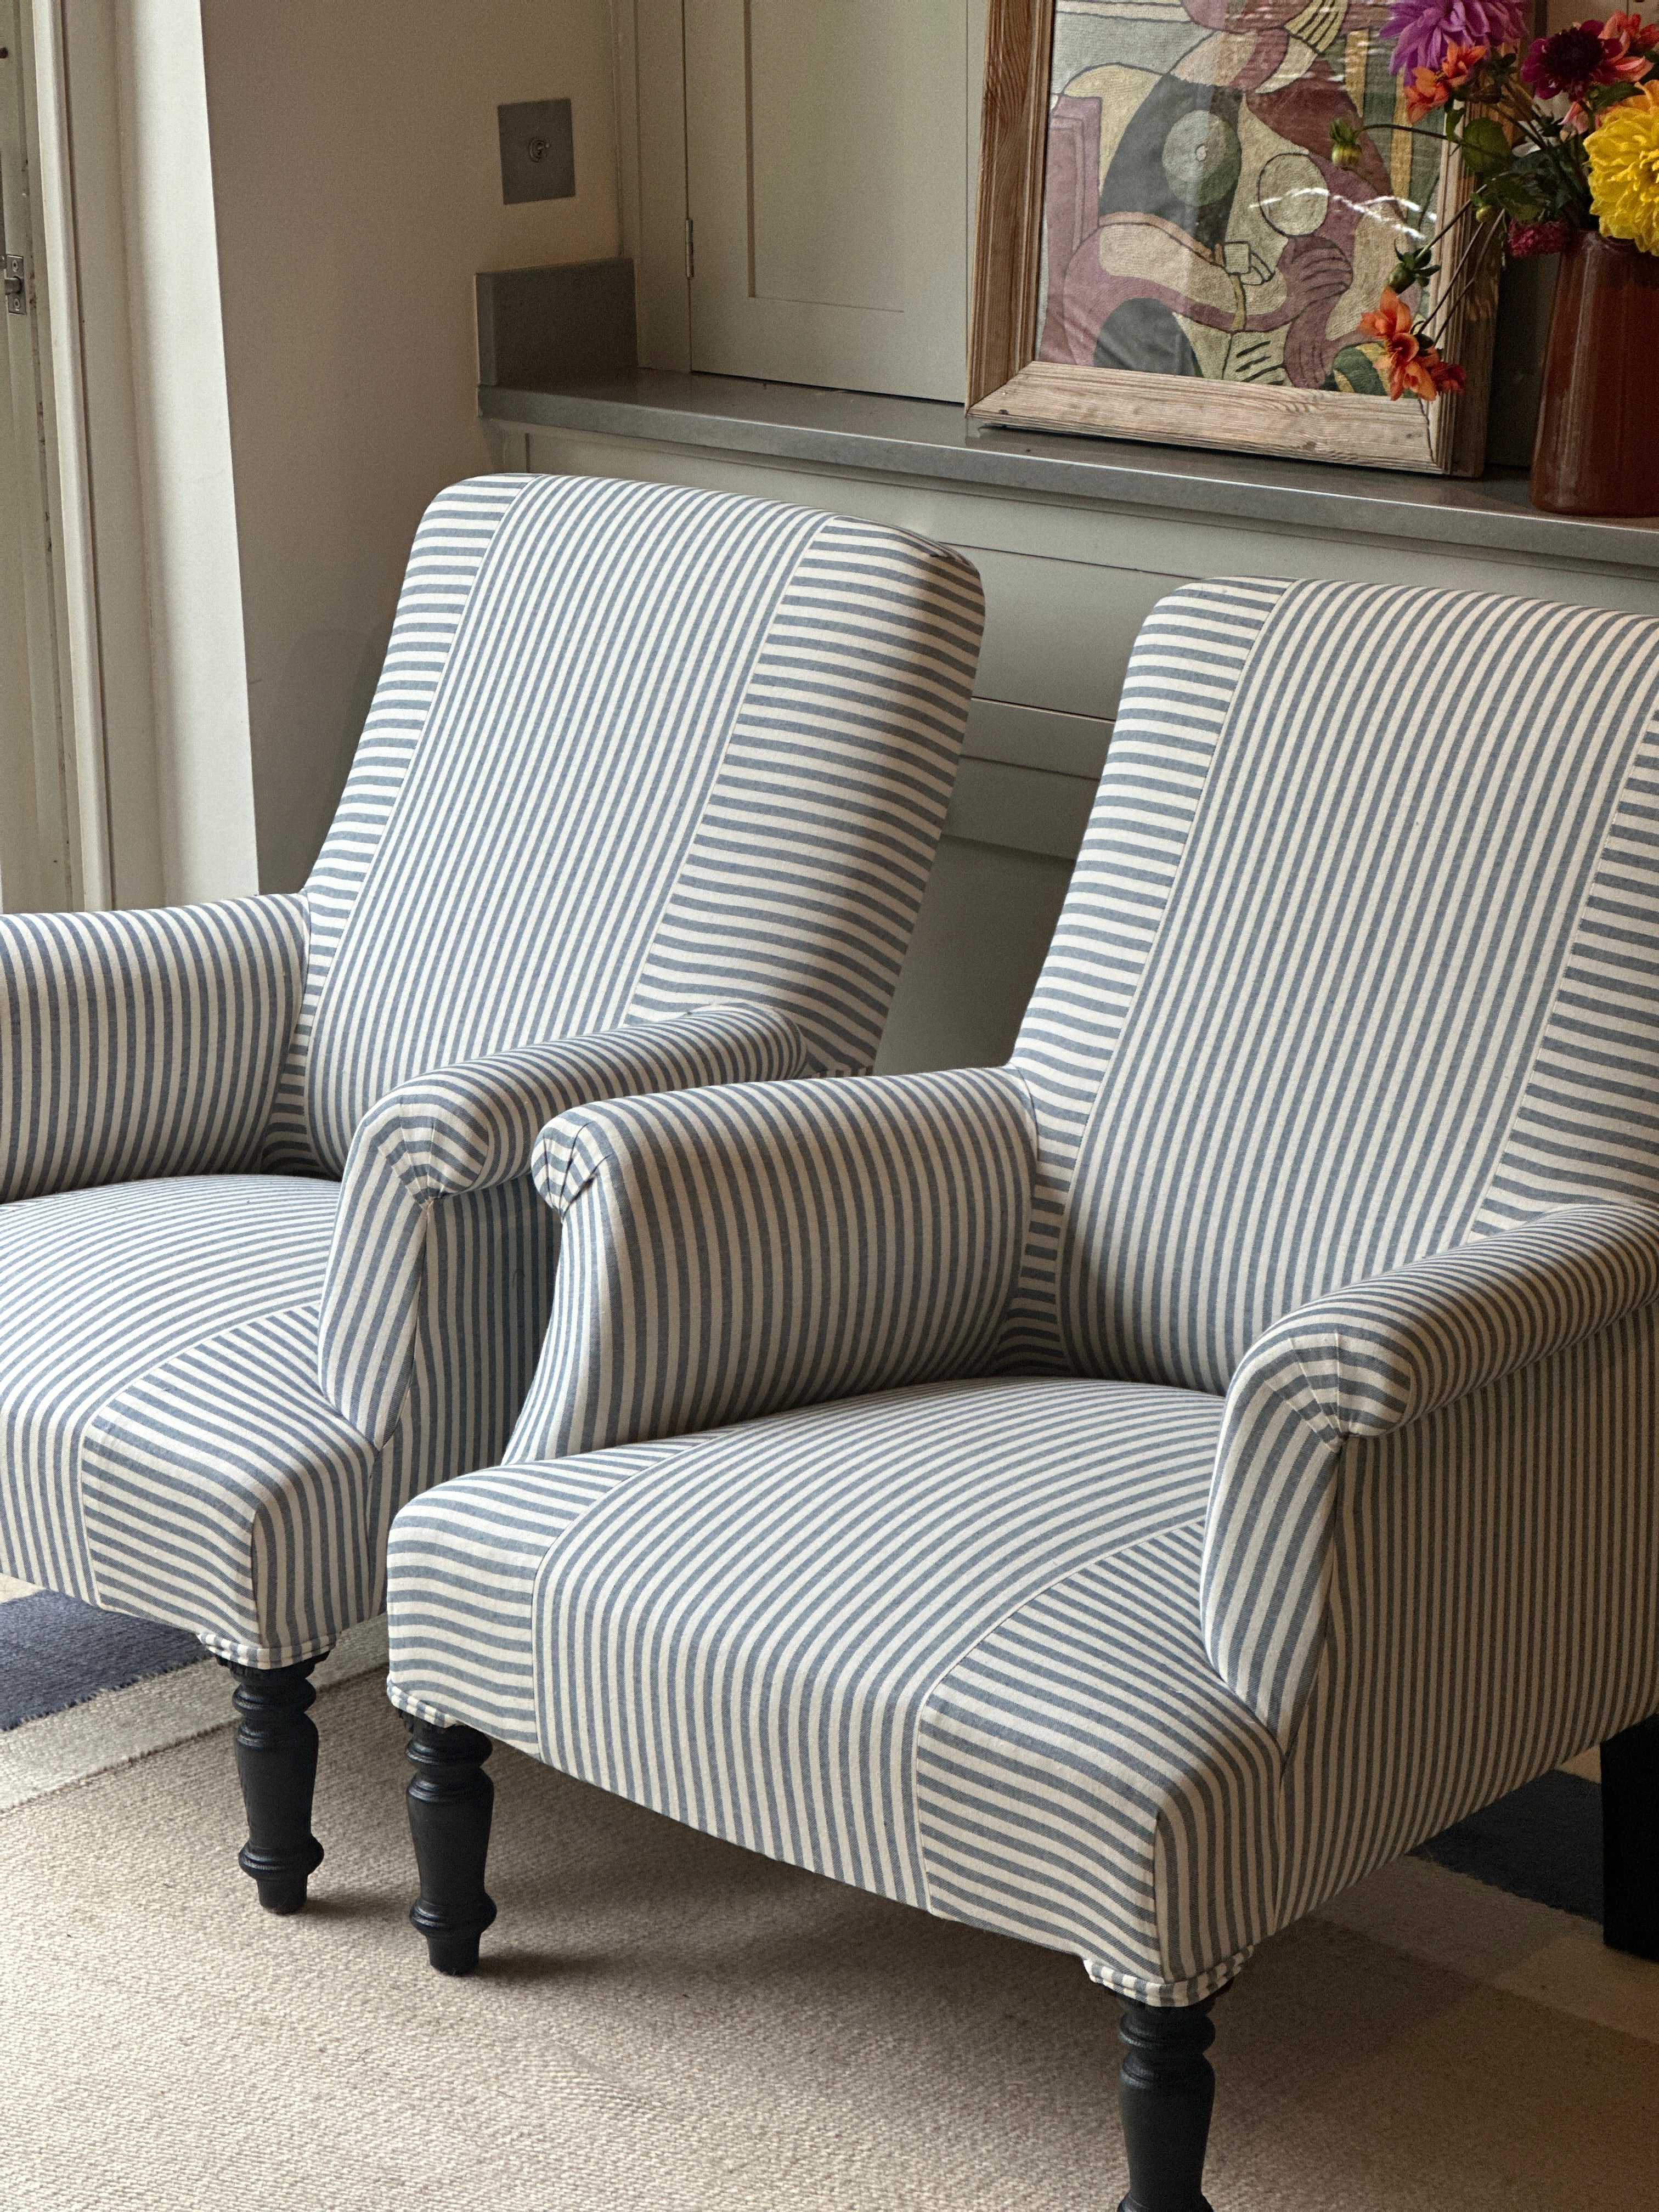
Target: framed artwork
1166	249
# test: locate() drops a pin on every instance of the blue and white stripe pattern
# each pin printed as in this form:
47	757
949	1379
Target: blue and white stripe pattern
1178	693
1367	1363
1351	980
859	1233
787	1633
143	1044
646	799
470	1128
1291	1493
800	886
98	1287
664	724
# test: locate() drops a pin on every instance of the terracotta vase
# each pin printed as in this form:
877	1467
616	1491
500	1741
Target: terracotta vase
1596	452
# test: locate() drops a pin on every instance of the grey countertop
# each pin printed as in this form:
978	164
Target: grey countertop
930	440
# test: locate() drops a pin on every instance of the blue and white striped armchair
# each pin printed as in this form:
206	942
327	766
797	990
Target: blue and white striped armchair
1120	1498
647	798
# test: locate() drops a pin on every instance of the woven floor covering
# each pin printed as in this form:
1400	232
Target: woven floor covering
666	2024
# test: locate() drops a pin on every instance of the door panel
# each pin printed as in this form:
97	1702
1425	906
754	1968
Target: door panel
828	161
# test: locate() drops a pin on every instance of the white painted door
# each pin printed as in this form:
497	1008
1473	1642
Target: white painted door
829	174
34	859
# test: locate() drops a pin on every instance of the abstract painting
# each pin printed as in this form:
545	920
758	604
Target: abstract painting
1185	223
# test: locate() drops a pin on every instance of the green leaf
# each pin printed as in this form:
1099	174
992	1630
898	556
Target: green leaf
1515	194
1484	147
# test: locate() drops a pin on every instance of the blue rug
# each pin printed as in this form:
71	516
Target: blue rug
1543	1841
56	1652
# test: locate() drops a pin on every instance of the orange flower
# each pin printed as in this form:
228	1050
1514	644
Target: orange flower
1408	362
1432	87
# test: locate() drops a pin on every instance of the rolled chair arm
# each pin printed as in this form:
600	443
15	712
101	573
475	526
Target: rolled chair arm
1358	1364
473	1126
141	1043
732	1252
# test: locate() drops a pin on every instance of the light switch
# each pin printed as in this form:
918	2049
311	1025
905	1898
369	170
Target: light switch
539	151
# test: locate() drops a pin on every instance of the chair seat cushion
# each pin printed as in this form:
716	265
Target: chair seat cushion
158	1396
941	1643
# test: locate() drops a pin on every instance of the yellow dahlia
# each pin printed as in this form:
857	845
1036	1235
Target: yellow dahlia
1624	165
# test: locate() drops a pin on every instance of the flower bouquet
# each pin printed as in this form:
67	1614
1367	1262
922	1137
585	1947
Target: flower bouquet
1559	138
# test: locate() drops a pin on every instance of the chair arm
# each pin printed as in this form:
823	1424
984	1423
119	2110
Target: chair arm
1360	1365
135	1044
467	1128
729	1253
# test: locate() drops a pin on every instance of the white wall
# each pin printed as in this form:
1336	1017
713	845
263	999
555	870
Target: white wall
357	188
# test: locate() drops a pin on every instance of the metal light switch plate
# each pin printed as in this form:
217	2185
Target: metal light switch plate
539	151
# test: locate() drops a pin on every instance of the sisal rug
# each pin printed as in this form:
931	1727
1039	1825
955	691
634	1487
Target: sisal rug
667	2024
82	1690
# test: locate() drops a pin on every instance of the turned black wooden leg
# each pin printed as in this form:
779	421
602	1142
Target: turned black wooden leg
450	1801
1629	1840
277	1762
1166	2087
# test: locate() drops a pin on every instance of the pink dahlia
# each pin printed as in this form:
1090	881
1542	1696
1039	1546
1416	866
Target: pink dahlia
1423	29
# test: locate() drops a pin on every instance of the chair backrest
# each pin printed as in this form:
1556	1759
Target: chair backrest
1361	960
636	748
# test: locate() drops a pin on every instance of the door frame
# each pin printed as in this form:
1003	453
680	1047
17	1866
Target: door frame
648	73
70	865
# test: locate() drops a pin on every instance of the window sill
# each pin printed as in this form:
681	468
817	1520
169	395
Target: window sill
928	441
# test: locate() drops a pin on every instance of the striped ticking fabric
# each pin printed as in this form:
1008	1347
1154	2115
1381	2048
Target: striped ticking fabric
97	1286
1371	1361
945	1644
646	798
1292	1495
472	1128
1355	970
763	1630
143	1044
1183	675
859	1233
633	737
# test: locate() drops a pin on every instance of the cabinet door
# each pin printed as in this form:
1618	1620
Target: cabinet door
827	175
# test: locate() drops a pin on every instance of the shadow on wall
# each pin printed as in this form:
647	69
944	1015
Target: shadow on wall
303	742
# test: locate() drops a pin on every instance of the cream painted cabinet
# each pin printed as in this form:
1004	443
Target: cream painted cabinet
831	147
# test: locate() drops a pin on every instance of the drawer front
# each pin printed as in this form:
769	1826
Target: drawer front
1036	737
1057	632
1026	809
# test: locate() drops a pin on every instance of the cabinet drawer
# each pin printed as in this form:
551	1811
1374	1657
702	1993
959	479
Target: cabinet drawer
1036	737
1057	632
1024	808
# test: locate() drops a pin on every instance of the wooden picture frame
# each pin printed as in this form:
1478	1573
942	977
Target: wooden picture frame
1008	386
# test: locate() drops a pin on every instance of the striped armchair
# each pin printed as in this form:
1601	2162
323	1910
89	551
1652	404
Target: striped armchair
647	800
1120	1498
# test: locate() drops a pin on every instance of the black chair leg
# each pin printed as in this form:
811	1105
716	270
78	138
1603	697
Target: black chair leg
277	1764
450	1801
1166	2087
1629	1840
